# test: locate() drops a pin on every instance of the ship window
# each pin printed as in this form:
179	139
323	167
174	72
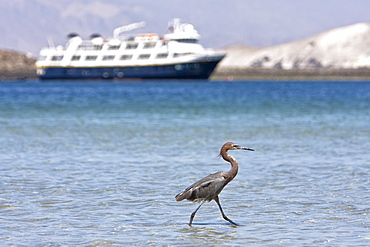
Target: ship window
195	66
126	57
144	56
179	67
108	58
57	58
181	54
91	58
162	55
131	46
114	47
76	58
192	66
88	46
149	45
191	41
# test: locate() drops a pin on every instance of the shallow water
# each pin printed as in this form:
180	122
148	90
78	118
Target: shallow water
99	163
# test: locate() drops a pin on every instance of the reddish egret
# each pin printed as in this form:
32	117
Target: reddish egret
208	188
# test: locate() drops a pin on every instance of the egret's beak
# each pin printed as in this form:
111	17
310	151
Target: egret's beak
242	148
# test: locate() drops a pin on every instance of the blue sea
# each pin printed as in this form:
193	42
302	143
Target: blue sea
98	163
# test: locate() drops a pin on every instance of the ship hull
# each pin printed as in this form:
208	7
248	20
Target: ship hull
193	70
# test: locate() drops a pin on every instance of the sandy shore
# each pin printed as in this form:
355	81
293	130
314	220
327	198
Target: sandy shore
298	74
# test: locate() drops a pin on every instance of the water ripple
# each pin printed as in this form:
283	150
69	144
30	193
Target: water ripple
98	164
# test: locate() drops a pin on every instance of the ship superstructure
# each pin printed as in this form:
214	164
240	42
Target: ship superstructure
177	54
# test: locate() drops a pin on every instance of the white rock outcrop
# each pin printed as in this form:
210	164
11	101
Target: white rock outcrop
346	47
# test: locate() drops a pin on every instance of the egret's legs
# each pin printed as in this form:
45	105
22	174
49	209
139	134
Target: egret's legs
222	212
193	214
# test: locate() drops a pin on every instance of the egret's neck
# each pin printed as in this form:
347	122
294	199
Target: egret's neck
234	165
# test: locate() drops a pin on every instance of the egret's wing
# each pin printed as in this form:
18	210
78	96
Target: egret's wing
205	189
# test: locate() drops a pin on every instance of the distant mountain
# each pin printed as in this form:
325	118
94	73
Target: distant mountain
25	25
346	47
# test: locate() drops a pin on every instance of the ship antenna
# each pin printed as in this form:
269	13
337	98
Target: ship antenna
50	42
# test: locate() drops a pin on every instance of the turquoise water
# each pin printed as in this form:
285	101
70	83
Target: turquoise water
99	163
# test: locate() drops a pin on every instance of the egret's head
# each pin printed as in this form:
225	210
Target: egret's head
233	146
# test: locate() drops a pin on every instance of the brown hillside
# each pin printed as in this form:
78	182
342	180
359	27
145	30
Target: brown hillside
15	65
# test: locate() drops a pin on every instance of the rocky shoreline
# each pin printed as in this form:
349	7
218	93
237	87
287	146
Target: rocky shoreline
18	66
294	74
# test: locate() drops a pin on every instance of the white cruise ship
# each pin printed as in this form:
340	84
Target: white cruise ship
175	55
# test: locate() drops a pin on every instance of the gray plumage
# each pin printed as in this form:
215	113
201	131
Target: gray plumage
205	189
208	188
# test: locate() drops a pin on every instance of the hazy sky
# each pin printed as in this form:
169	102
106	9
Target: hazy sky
25	24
